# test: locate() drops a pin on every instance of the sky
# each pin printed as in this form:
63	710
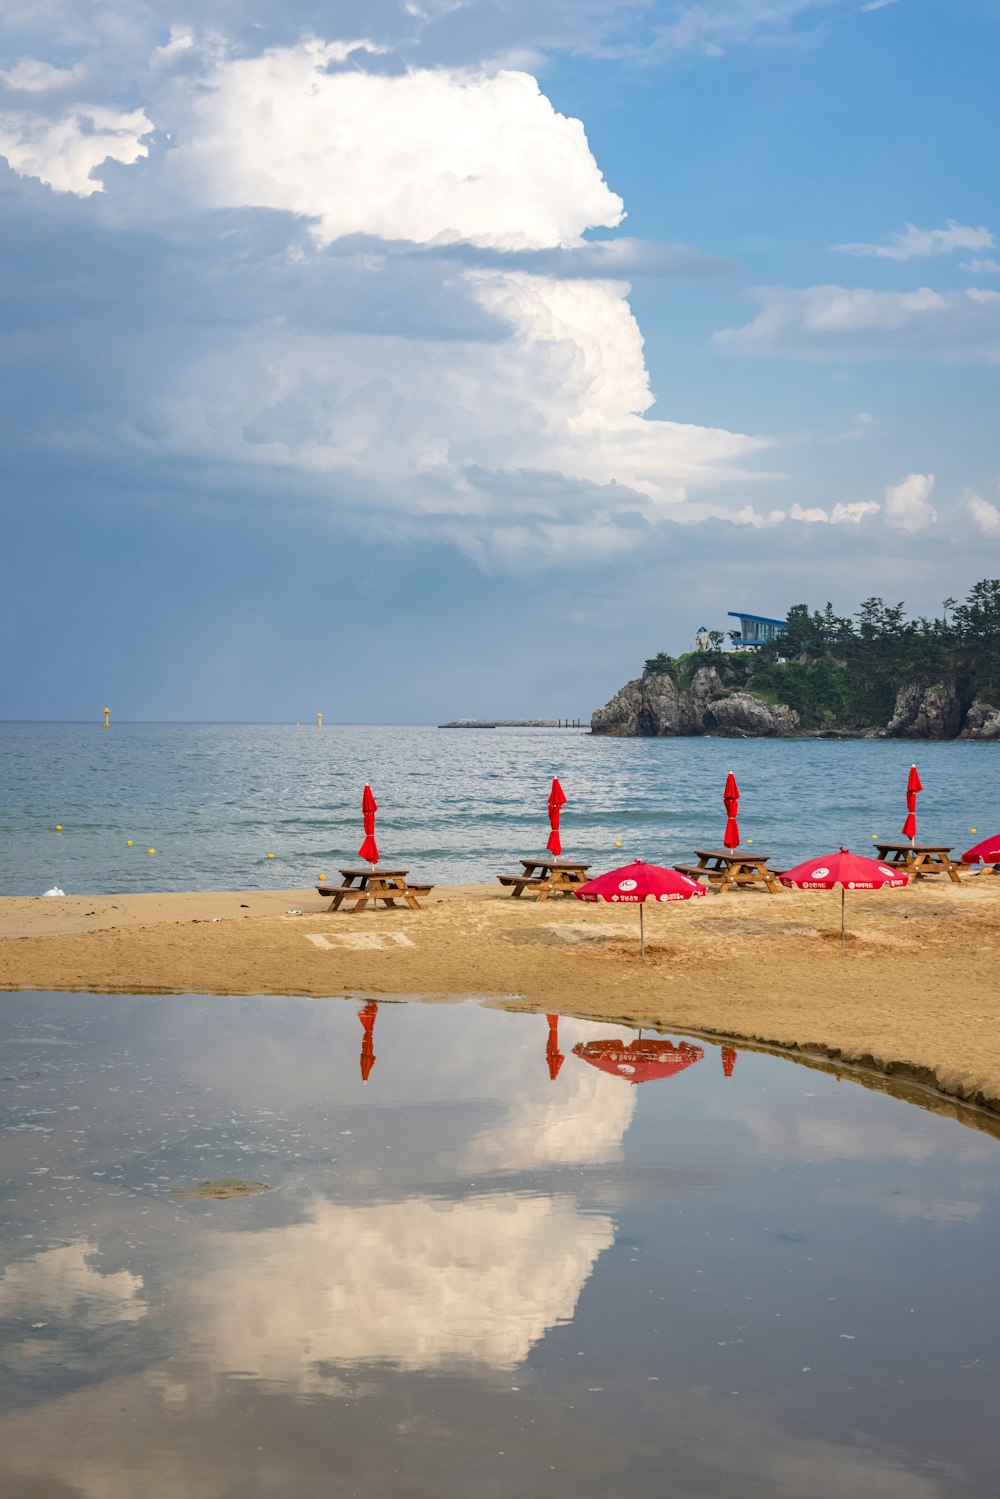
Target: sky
434	358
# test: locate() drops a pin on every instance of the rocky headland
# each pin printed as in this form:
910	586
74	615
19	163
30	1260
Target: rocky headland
656	705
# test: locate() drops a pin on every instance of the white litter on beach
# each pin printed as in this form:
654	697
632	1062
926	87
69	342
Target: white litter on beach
54	891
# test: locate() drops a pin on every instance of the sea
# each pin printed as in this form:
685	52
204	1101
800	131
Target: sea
182	806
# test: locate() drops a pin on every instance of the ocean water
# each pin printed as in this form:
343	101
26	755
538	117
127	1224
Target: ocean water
214	800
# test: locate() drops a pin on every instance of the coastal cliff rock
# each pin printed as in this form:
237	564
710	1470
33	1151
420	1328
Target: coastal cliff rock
652	706
925	713
981	722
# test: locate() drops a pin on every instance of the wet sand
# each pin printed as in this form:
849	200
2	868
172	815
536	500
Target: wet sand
915	993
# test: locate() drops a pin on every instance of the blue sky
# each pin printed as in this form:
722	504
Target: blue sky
440	357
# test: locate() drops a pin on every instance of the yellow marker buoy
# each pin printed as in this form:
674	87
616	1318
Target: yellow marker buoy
618	843
58	827
128	843
107	715
319	720
749	840
973	830
270	856
151	850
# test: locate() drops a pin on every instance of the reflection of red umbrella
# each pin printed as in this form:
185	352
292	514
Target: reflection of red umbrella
553	1055
367	1018
640	1061
635	883
849	871
557	800
912	787
728	1060
369	806
986	852
731	798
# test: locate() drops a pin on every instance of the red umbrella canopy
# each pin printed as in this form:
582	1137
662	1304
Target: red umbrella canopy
557	800
913	785
986	852
848	870
369	806
731	798
637	882
640	1061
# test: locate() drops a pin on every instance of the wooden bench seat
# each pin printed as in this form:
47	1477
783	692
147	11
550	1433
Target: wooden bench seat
522	879
697	871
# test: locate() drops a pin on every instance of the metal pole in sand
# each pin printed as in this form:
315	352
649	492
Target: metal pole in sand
642	935
843	939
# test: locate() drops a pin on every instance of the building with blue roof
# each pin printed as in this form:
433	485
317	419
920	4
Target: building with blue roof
755	629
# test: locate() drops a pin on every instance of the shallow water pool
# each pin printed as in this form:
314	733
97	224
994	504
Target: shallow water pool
527	1256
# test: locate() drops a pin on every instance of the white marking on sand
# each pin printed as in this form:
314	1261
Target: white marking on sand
373	941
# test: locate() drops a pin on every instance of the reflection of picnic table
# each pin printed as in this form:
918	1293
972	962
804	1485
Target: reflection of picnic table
546	877
732	869
364	885
920	859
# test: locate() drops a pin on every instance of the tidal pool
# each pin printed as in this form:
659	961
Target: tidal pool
498	1255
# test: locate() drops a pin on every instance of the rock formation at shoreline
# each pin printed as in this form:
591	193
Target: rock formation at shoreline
654	706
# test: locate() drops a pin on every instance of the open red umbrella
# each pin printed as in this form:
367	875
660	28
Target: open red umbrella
640	1061
553	1055
849	871
913	785
557	800
635	883
986	852
367	1018
731	798
369	806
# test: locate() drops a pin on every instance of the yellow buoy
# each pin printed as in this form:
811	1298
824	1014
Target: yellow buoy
151	850
128	843
973	830
270	856
107	715
58	827
618	843
749	840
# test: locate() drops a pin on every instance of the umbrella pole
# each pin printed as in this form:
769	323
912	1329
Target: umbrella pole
642	936
843	939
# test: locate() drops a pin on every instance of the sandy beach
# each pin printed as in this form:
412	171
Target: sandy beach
914	995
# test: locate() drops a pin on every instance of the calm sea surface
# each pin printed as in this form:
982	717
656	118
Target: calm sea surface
214	800
496	1268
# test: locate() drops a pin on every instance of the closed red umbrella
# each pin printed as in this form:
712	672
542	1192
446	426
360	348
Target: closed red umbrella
557	800
849	871
913	785
640	1061
553	1055
986	852
367	1018
369	806
728	1060
731	798
635	883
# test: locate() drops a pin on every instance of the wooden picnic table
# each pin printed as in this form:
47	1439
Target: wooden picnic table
732	869
546	877
920	859
363	885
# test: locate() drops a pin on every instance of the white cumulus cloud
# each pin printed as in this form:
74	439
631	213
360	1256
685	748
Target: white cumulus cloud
985	515
907	504
433	155
65	152
911	243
